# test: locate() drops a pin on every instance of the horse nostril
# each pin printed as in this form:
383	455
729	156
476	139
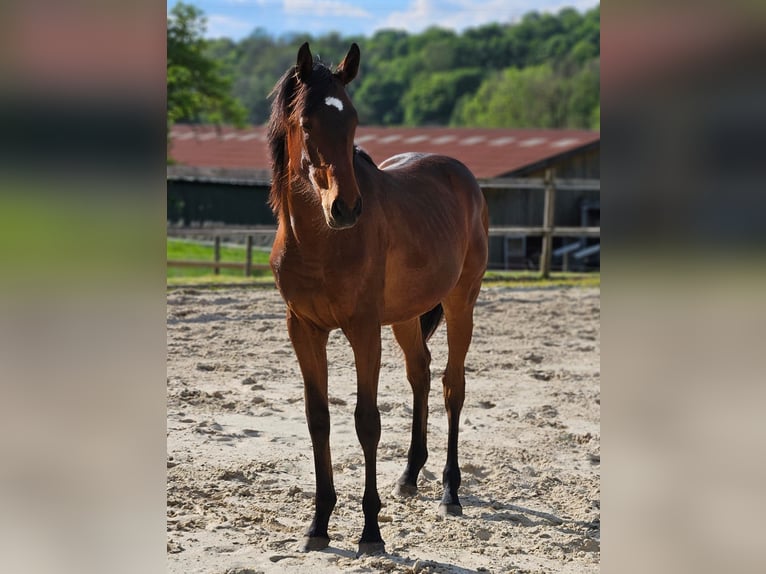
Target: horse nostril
336	210
342	214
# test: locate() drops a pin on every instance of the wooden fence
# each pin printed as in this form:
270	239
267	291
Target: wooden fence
266	232
549	185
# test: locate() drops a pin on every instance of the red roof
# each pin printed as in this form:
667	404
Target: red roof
487	152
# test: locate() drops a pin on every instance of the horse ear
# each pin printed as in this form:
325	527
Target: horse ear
305	63
349	66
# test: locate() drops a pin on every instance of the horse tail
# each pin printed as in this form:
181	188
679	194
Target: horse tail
430	320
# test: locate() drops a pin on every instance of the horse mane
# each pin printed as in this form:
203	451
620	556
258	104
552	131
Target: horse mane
290	98
362	153
277	135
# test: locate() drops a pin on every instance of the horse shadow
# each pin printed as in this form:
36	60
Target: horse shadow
494	511
476	510
404	561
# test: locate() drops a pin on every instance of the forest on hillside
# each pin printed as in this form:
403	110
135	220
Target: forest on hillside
541	72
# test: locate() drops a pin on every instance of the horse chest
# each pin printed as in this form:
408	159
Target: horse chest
324	297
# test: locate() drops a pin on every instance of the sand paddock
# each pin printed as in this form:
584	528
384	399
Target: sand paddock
240	470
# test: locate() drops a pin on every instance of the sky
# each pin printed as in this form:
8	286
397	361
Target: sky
236	19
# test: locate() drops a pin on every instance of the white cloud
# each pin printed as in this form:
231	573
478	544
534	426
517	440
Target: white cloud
461	14
324	8
419	15
219	26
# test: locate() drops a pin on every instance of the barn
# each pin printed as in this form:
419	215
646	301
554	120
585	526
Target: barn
221	176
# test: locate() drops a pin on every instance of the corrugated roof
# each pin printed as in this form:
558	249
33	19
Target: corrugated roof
487	152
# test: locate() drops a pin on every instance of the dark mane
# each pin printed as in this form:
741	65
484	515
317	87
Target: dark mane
363	154
277	135
291	98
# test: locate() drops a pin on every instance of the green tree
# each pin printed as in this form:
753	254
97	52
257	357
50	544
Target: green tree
378	100
197	88
490	47
583	95
515	98
535	97
385	45
431	98
583	51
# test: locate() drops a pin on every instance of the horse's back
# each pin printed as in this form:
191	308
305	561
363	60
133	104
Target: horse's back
437	220
424	173
435	184
420	162
402	160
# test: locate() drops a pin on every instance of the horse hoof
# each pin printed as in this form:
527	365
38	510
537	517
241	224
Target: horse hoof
405	490
314	543
371	548
446	510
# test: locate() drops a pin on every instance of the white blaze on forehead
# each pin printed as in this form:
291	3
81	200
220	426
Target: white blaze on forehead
334	102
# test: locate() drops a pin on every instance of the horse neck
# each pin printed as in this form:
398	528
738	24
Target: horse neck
302	214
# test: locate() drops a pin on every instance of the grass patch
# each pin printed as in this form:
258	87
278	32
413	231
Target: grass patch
530	279
185	250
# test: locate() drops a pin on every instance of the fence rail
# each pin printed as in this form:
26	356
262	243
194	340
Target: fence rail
217	264
547	230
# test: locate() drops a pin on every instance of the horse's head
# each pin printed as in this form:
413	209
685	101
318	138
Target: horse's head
320	138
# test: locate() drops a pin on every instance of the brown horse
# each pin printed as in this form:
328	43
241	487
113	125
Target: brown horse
360	246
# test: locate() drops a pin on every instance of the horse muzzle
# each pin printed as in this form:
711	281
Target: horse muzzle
341	216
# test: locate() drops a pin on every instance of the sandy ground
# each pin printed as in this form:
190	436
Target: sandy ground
240	471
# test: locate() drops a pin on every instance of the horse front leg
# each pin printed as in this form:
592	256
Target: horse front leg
365	341
310	346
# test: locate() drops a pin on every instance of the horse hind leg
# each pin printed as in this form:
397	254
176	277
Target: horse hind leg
410	337
458	311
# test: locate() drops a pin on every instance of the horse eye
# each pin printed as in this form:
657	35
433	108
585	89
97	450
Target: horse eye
305	125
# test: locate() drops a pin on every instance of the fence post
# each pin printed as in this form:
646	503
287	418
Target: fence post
217	254
249	256
548	213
